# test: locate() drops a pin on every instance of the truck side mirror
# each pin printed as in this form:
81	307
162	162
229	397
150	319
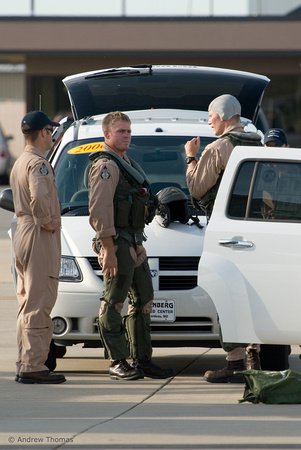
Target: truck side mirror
6	200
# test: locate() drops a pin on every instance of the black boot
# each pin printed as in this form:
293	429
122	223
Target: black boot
121	370
253	361
151	370
226	375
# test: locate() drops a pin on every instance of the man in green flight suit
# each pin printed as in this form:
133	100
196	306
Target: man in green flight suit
119	209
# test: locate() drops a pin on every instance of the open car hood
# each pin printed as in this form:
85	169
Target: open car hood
173	87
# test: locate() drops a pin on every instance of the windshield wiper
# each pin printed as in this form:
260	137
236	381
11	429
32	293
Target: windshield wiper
122	71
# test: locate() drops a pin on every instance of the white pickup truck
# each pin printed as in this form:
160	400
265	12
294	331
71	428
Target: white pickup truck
251	260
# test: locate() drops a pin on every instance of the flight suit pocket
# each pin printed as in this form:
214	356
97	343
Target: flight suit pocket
122	213
140	211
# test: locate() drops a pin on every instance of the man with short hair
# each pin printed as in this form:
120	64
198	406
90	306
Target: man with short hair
120	204
203	177
37	249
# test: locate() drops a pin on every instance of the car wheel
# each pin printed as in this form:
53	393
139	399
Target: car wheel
274	357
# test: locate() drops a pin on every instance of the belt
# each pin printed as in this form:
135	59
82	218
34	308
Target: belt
133	238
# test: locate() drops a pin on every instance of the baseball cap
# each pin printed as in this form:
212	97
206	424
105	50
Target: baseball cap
276	135
36	120
226	106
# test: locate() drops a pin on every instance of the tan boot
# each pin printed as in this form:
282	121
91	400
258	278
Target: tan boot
226	375
253	361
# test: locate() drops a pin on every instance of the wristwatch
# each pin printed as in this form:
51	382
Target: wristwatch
188	159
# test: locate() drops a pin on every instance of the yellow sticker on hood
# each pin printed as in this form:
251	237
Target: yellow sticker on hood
87	148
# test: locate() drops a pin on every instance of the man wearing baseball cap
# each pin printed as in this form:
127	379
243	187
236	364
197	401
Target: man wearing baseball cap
37	249
275	137
36	120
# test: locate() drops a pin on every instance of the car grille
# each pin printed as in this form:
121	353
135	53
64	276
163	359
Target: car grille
184	325
169	282
179	263
94	263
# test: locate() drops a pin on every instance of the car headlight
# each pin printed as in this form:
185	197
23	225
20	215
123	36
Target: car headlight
70	270
59	325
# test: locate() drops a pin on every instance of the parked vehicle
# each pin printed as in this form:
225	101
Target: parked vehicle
5	157
251	261
167	106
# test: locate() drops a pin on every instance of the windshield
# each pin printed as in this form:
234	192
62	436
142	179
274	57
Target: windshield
161	157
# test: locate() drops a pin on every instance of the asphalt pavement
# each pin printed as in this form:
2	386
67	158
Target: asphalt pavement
90	411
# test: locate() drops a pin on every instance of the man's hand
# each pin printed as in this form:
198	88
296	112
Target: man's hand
192	147
109	263
52	225
109	259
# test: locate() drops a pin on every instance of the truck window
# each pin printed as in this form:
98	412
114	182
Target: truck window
267	191
240	193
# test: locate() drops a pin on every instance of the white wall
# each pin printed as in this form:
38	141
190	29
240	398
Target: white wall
12	104
157	8
273	7
11	114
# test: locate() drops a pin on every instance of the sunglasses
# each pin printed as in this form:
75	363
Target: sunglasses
49	129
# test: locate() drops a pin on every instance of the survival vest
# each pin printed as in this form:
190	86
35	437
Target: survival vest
237	138
134	203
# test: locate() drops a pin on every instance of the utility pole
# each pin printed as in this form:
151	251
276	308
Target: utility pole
32	7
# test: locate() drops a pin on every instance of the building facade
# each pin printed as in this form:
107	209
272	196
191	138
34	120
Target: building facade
49	48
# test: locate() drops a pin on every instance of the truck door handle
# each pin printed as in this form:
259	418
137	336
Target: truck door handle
235	243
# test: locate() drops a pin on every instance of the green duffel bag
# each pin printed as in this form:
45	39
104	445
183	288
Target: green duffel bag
261	386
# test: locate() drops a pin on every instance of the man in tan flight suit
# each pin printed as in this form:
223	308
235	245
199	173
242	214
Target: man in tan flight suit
203	177
119	211
37	249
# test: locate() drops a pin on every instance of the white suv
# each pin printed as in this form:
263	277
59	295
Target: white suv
167	106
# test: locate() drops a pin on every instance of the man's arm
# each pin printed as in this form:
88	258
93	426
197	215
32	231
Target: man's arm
101	207
40	185
202	174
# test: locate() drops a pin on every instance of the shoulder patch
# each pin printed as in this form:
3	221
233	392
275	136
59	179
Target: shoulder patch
105	174
44	170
